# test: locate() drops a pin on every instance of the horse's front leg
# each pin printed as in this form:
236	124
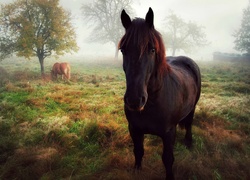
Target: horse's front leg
68	76
188	127
168	155
138	139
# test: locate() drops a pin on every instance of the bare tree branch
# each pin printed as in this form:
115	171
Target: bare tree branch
103	16
182	35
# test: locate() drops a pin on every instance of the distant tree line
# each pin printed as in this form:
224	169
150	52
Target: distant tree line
219	56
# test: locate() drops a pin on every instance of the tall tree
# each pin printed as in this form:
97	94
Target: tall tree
104	15
36	28
183	35
242	36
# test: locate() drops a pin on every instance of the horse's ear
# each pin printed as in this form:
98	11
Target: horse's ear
150	17
126	21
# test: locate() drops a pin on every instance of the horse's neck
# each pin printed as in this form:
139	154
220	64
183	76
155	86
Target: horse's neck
160	78
156	82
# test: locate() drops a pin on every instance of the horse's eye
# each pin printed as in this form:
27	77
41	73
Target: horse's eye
152	50
122	51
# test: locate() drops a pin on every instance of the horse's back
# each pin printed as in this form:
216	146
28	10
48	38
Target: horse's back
190	66
65	66
61	68
56	65
186	63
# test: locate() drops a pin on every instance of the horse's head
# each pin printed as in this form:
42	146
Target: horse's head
141	47
52	74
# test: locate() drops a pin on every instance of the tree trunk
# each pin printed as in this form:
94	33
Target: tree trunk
116	53
116	50
173	53
41	61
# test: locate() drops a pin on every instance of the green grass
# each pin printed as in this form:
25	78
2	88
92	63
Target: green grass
78	130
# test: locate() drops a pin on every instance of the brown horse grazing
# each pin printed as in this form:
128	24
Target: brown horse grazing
159	93
62	69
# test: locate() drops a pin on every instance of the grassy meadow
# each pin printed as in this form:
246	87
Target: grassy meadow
78	130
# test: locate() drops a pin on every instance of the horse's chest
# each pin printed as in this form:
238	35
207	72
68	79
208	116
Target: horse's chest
151	122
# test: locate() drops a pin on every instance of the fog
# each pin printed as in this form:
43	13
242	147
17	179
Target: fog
220	19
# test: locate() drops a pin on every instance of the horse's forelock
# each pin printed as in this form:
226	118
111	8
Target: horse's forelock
139	34
135	35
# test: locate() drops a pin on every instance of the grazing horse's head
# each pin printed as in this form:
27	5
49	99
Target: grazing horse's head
53	75
143	55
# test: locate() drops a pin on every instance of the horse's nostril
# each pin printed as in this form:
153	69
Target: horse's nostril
135	103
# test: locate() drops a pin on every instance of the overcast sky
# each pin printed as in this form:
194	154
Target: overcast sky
219	17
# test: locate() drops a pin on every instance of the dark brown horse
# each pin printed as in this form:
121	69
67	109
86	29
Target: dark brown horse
160	93
62	69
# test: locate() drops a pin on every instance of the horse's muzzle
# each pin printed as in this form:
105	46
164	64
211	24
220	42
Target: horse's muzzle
135	104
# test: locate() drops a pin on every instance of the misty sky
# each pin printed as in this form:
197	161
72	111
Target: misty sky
219	17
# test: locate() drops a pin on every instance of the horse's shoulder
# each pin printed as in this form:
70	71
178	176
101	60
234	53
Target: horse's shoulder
185	64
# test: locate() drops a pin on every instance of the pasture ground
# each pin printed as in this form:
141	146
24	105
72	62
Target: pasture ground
77	129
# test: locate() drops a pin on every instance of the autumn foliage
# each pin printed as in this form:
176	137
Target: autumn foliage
36	28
